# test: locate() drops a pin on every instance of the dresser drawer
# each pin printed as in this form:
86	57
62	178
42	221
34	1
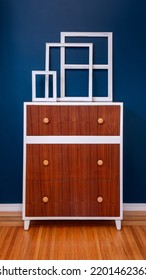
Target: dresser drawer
72	198
72	161
73	120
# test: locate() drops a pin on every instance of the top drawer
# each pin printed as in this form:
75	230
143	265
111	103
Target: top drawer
73	120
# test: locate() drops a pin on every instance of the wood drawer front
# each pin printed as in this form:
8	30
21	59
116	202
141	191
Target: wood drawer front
73	120
72	161
72	198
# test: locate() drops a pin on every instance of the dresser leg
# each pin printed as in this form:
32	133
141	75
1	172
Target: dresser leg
26	225
118	224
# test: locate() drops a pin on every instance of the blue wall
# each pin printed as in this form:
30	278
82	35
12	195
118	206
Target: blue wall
25	27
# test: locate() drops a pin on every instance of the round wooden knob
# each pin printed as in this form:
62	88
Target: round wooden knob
99	199
100	120
45	199
100	162
45	120
45	162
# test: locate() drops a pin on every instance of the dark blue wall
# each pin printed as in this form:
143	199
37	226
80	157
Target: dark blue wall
25	27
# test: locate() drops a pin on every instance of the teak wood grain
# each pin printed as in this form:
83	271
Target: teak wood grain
72	161
73	120
73	180
72	198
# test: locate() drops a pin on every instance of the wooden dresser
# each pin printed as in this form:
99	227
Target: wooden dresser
72	165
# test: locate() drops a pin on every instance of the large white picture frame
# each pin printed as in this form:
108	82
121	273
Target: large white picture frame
64	66
108	66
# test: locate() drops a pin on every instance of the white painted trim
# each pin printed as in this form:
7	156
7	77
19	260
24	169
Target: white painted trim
121	160
27	218
134	206
24	156
75	104
72	139
11	207
18	207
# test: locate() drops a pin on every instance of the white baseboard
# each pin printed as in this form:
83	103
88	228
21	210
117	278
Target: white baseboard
126	207
11	207
134	206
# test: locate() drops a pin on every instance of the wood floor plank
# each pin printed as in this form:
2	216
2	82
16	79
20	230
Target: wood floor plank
71	240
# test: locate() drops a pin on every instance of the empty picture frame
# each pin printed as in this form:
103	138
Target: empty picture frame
107	67
46	92
64	67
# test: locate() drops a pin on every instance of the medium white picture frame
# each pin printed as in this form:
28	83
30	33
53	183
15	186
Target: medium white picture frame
64	66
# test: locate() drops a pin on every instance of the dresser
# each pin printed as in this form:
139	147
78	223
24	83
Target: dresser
72	161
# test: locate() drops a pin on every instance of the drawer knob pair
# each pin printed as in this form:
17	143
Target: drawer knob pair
45	162
45	199
99	199
46	120
100	120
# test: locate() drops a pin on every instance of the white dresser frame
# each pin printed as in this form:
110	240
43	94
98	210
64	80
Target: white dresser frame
73	140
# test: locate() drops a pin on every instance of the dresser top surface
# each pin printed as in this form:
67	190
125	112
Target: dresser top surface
75	103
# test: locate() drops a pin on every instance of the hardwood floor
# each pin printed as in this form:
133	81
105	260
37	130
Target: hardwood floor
71	240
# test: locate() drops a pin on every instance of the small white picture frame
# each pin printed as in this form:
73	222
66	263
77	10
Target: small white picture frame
64	66
108	66
46	93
